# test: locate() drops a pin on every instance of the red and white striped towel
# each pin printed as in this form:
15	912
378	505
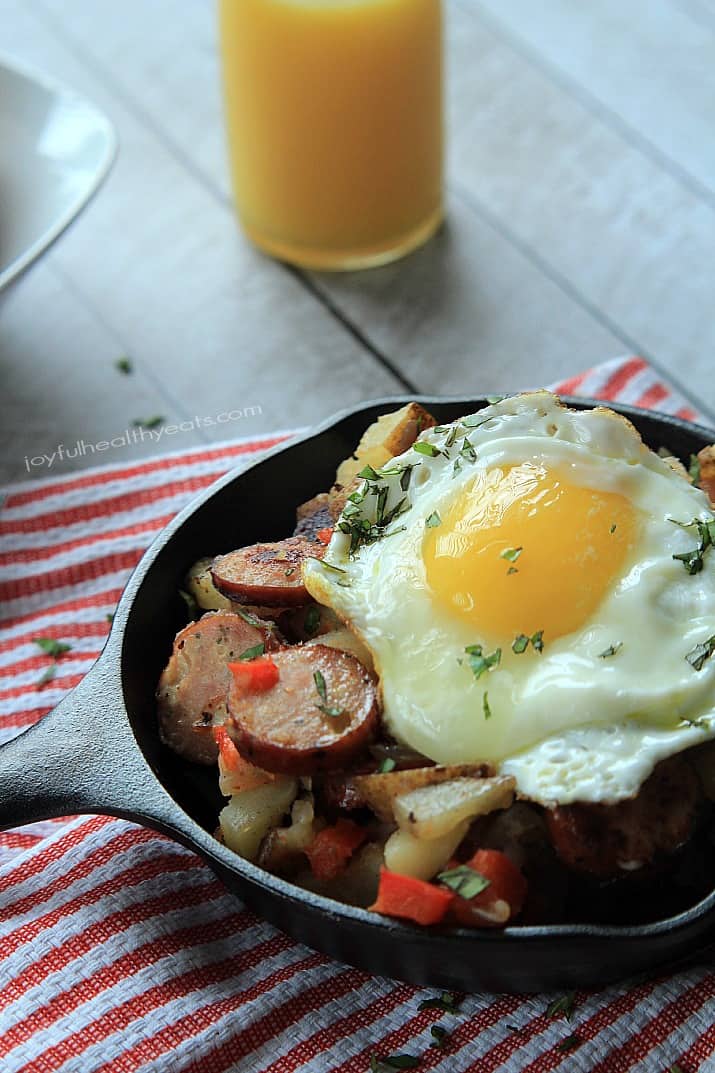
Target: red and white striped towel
120	950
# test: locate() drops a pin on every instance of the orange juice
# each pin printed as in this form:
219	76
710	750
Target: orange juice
334	115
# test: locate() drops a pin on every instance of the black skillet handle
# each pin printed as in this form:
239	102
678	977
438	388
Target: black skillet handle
81	757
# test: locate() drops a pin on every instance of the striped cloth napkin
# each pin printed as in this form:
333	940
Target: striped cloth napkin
120	950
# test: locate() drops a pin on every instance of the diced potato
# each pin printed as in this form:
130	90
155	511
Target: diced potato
422	857
380	790
248	816
347	641
433	811
390	435
357	884
283	847
199	584
706	459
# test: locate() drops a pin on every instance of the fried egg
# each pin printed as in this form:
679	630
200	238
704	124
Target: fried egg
537	590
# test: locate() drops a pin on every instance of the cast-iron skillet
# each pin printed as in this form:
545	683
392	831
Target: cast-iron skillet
99	750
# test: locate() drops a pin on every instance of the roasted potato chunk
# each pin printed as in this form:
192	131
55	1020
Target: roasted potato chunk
379	791
432	811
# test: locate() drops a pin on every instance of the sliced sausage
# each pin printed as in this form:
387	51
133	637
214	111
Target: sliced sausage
191	694
318	717
313	516
267	574
706	461
610	840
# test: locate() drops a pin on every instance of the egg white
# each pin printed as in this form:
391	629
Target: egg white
569	724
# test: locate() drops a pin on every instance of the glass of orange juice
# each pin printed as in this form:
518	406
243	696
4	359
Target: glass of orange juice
335	126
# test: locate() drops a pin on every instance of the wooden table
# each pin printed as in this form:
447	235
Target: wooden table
581	226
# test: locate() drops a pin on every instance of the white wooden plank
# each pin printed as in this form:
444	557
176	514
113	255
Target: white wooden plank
647	62
160	263
60	384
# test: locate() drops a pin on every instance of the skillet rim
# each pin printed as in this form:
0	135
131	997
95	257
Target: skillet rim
193	834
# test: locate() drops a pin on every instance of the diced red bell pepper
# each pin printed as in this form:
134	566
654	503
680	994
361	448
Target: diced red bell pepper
229	754
255	675
498	903
324	535
332	848
236	773
411	899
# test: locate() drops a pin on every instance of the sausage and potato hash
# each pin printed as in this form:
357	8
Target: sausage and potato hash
283	698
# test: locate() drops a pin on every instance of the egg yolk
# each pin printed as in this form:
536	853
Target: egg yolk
523	549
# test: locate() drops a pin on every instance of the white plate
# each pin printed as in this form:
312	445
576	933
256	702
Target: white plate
55	149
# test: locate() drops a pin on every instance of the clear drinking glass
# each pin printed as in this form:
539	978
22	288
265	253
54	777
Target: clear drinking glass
335	126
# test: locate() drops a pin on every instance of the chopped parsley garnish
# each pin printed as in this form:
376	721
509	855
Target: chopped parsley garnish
433	521
694	469
464	881
110	617
387	765
467	449
511	554
481	663
249	618
692	560
494	399
570	1043
51	647
48	675
311	623
451	437
456	467
474	421
485	706
697	657
252	653
369	474
290	571
562	1007
124	366
424	448
446	1001
406	477
393	1061
521	642
148	422
611	650
440	1034
512	570
613	528
325	708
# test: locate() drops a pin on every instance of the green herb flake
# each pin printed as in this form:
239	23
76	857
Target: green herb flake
692	560
464	881
456	467
702	652
311	623
520	644
387	765
694	469
446	1001
537	641
325	708
510	554
433	521
110	617
611	650
369	474
406	477
512	570
480	663
148	422
252	653
440	1034
51	647
467	449
569	1044
494	399
424	448
563	1006
473	421
393	1061
249	618
124	366
47	676
485	706
612	529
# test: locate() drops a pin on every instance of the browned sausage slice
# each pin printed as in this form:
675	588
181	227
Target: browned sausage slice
193	685
268	574
609	840
321	713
